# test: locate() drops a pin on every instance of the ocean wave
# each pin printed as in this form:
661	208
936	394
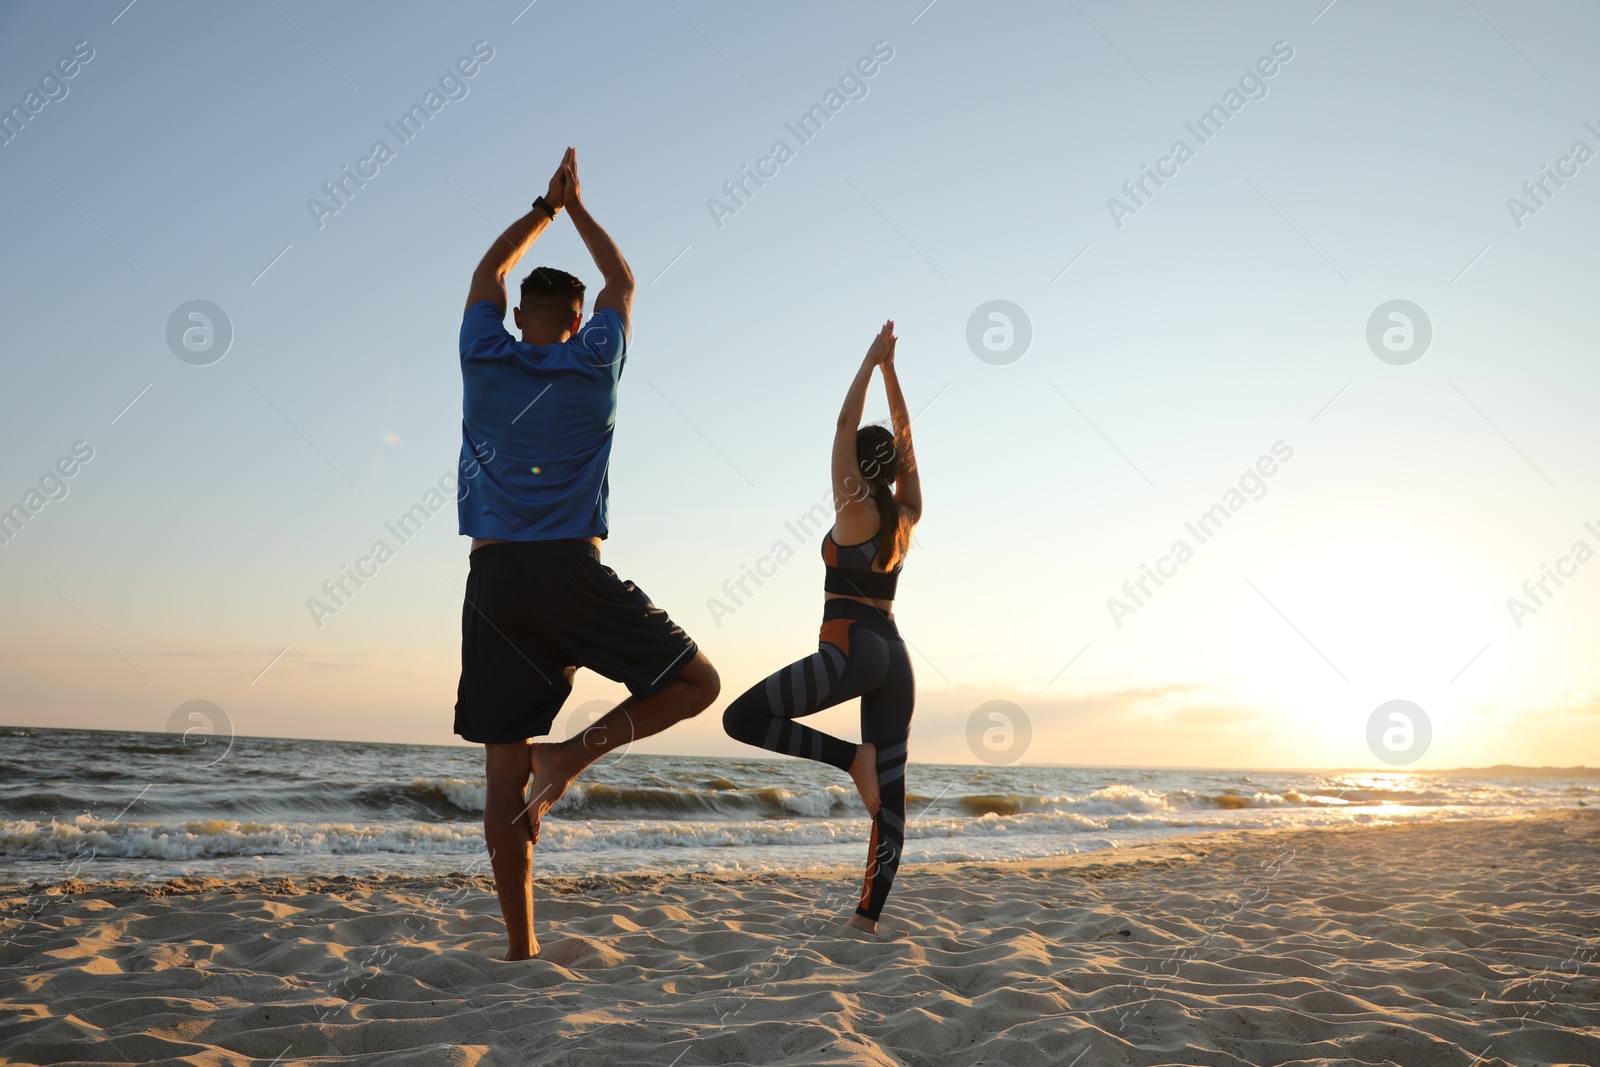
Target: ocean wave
1127	799
173	748
726	800
719	799
693	798
1415	797
212	838
86	836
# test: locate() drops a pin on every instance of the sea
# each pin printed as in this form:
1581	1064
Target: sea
101	805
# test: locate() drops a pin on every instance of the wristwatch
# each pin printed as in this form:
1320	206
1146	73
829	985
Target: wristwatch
544	205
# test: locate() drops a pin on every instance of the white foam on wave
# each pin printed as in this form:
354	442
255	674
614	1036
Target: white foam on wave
817	818
581	837
210	838
214	838
833	801
818	804
1119	799
594	798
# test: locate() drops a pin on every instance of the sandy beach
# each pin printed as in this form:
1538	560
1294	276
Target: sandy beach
1434	944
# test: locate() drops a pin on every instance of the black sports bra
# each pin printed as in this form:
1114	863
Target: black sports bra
849	570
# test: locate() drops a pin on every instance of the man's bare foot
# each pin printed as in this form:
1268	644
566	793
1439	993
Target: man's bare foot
547	786
864	769
861	922
513	956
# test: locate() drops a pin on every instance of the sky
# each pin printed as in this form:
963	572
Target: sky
1429	459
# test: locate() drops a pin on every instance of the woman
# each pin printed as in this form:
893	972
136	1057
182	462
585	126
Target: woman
877	500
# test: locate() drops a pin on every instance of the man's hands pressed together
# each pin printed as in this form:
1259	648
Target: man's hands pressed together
556	196
567	174
489	280
617	293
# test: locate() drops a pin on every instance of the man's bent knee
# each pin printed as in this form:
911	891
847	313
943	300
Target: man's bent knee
703	679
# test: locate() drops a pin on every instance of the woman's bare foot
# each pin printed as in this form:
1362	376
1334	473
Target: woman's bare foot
545	789
861	922
864	769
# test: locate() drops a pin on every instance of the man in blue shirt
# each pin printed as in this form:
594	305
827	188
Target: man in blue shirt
536	429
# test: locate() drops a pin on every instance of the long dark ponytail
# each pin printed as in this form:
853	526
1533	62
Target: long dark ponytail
879	463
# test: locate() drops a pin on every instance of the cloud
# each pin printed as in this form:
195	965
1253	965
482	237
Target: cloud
255	659
1155	692
943	713
1213	714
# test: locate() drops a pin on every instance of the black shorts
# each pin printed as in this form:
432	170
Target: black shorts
535	612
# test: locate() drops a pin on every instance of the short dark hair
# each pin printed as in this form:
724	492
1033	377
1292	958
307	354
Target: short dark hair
546	287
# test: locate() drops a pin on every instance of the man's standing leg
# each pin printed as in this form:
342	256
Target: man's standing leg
510	690
510	839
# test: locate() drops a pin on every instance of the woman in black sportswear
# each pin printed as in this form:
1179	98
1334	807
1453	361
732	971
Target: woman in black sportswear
877	501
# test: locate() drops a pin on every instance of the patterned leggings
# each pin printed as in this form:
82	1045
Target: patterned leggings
859	654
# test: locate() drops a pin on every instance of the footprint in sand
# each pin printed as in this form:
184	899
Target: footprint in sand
575	953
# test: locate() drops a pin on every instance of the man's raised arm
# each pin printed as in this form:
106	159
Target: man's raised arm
617	293
489	280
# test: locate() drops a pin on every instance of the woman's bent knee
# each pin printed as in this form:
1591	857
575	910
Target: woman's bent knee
747	717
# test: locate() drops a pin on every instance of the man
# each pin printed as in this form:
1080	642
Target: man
537	419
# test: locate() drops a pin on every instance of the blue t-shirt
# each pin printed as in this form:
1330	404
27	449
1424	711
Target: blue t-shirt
536	428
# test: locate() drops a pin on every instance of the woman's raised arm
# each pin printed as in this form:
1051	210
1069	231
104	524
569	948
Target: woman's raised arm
850	499
908	484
